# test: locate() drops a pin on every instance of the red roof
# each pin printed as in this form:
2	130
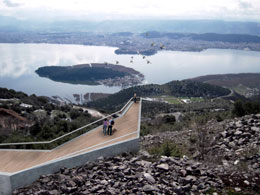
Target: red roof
13	114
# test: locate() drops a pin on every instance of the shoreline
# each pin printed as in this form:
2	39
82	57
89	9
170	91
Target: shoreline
79	73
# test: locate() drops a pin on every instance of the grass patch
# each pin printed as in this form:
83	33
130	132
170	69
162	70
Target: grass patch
240	89
196	99
178	100
173	100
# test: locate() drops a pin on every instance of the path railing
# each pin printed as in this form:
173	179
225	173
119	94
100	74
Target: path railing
64	138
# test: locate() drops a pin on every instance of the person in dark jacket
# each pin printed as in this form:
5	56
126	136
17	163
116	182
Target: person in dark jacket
110	126
135	98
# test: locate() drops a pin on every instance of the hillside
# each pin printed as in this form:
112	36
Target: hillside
207	150
246	84
36	101
175	88
26	118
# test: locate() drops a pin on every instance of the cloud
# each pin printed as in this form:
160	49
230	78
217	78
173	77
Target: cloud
9	3
134	9
245	5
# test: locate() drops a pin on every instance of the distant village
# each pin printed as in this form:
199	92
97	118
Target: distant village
126	81
131	44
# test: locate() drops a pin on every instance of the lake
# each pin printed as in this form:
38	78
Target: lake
19	61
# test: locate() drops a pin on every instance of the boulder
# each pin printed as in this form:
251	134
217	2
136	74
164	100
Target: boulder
163	166
149	178
150	188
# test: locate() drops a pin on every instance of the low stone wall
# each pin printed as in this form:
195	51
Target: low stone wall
10	182
5	184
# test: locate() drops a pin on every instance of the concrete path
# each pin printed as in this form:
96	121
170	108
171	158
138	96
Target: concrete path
127	127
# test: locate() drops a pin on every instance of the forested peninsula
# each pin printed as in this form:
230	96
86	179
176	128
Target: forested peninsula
92	74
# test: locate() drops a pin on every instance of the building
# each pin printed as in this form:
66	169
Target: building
11	120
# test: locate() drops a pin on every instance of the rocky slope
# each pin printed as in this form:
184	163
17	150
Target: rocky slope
231	148
236	150
129	175
227	162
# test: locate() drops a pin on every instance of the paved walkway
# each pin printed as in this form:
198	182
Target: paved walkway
127	127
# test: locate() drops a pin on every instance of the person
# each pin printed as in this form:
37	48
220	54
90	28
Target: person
110	126
134	97
105	124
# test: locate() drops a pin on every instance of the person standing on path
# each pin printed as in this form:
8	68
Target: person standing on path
135	98
110	126
105	124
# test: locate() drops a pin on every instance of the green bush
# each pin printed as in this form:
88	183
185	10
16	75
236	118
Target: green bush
145	130
238	109
244	108
166	149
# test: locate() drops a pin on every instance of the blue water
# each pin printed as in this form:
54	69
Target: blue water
19	61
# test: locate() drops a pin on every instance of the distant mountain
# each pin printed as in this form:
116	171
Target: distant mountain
175	88
123	34
214	37
135	26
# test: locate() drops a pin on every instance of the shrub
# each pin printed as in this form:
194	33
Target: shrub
169	119
74	114
241	109
145	130
166	149
238	109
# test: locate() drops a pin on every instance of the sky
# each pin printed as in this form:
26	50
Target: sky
238	10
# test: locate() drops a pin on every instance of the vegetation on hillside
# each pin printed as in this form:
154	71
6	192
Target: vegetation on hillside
44	121
244	108
158	117
36	101
246	84
176	88
167	149
79	74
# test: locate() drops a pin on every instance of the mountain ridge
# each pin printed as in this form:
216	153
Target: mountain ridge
247	84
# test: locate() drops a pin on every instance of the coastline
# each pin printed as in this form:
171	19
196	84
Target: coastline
75	74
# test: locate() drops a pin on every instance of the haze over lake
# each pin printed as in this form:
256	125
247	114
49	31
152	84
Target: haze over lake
18	63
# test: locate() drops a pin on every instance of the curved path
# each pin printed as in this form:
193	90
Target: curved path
228	95
12	161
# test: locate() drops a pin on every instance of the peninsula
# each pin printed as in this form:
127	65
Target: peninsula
93	74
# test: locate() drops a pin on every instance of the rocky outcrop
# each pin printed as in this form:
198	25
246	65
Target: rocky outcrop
240	142
180	137
129	175
237	152
230	147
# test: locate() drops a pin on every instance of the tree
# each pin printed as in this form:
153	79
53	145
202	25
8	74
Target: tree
74	114
238	109
35	129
